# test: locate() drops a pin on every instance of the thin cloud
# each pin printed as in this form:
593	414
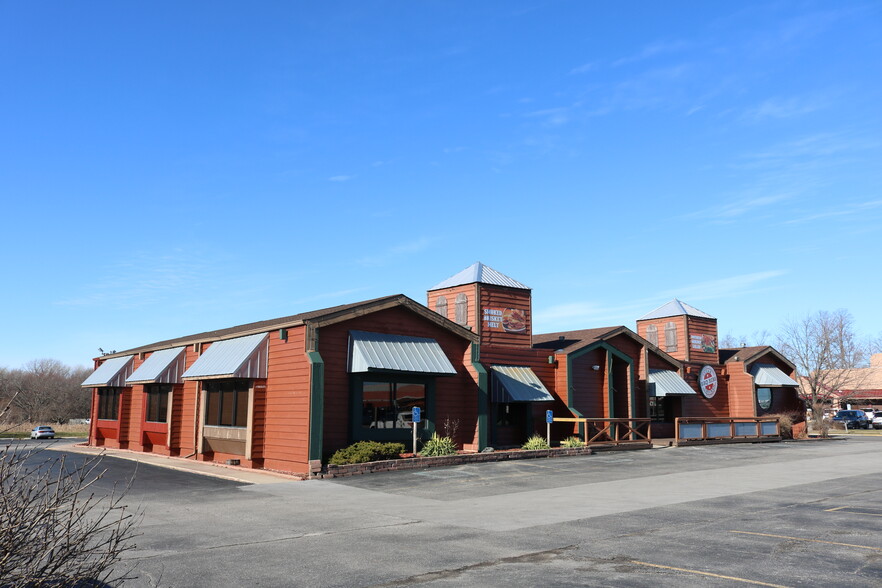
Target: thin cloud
591	314
732	286
849	210
584	68
653	50
341	178
396	253
739	207
784	108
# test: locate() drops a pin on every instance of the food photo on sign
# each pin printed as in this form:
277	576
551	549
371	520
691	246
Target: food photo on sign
514	320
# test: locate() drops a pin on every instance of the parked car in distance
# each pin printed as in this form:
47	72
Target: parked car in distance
877	420
853	419
43	432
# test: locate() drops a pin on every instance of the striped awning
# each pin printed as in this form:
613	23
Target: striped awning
517	384
162	367
370	352
770	376
112	373
244	357
668	383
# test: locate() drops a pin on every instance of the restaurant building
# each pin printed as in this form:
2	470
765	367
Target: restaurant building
283	394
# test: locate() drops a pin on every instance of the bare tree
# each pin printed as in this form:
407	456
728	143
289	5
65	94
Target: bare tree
828	354
55	528
46	390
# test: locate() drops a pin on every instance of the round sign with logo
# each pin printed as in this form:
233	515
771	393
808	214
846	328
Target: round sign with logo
707	380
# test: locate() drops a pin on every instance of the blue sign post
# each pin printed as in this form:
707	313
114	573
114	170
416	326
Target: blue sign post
549	418
415	420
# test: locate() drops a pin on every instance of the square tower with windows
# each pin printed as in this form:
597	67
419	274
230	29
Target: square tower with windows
490	303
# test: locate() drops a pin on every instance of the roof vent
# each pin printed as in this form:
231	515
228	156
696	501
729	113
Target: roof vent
560	338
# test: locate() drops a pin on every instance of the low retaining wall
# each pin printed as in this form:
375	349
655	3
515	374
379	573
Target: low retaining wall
419	463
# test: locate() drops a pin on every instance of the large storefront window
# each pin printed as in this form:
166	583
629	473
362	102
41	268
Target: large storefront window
389	405
226	403
157	402
108	403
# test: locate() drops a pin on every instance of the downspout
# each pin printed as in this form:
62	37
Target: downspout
316	417
483	396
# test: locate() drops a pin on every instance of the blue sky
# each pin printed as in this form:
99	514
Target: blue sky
169	168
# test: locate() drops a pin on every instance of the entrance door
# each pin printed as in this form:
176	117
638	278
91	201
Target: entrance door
510	424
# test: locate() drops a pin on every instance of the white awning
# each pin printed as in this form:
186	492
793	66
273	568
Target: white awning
162	367
244	357
369	352
770	376
668	383
517	384
112	373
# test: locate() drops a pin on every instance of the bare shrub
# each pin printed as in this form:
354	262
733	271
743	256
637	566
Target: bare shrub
450	427
56	529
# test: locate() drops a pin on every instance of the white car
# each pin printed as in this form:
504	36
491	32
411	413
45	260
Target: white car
877	420
43	433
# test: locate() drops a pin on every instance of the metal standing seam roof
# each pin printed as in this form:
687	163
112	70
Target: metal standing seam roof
669	383
370	352
244	357
674	308
111	373
517	384
482	274
770	376
162	367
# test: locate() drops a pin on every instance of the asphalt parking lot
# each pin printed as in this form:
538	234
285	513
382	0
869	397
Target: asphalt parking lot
783	514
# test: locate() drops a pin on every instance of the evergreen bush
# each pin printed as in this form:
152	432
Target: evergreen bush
364	451
535	442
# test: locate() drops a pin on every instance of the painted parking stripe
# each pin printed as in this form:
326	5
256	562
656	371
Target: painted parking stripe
853	510
712	575
809	540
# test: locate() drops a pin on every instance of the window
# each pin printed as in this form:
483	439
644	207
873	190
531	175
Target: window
671	337
226	403
157	402
389	405
652	334
108	403
462	309
764	398
441	306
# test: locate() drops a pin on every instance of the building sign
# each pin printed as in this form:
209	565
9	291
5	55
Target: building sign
707	380
705	343
510	320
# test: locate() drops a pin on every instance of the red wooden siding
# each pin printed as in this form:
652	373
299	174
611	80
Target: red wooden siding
455	396
281	421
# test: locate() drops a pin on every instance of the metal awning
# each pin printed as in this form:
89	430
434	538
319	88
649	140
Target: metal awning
111	374
244	357
770	376
517	384
668	383
369	352
162	367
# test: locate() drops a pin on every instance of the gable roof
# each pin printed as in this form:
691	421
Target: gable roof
317	318
751	354
481	274
675	308
569	341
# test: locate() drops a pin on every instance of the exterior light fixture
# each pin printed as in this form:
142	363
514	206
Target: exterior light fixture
595	367
551	360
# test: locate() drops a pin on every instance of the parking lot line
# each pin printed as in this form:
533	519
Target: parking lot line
808	540
710	574
853	510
